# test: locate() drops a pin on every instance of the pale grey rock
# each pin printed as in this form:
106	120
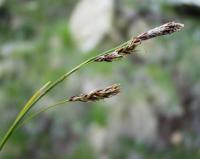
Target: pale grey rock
91	20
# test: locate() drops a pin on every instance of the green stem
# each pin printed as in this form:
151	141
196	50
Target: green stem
90	60
22	113
43	91
42	111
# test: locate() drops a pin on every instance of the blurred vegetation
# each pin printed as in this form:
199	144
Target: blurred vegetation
36	46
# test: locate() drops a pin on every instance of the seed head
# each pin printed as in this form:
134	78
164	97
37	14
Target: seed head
108	57
164	29
97	94
128	49
117	54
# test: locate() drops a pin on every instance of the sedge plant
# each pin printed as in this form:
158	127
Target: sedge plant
118	52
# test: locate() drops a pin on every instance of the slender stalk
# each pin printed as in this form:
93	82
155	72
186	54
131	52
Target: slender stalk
22	113
90	60
44	90
93	96
42	111
123	50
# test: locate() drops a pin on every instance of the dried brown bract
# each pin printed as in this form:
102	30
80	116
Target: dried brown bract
97	94
164	29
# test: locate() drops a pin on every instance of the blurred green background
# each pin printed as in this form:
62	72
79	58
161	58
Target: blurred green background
157	113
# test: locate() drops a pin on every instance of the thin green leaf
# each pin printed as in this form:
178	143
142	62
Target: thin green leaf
22	113
44	90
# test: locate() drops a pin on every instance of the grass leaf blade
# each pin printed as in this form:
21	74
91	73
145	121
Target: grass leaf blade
22	113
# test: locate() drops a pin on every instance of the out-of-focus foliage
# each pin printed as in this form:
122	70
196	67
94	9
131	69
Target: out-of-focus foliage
157	114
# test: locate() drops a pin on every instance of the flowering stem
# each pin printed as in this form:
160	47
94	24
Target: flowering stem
93	96
43	91
118	52
22	113
41	111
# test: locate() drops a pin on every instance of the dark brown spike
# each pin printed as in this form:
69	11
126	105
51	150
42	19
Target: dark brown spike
97	94
128	49
164	29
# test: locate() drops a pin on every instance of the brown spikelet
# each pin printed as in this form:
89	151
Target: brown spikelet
117	54
164	29
108	57
97	94
128	49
